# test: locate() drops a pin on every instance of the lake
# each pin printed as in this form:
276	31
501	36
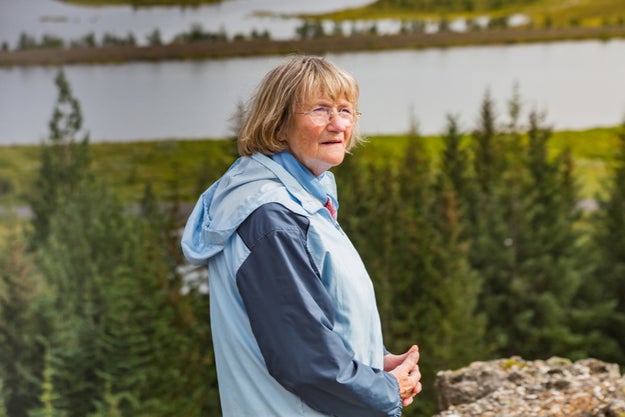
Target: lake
70	22
578	84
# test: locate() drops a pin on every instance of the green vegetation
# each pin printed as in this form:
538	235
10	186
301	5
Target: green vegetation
560	13
475	242
547	21
128	166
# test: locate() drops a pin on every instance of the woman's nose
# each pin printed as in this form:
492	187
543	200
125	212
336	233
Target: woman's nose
338	122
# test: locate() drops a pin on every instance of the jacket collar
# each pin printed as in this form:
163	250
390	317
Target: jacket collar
310	191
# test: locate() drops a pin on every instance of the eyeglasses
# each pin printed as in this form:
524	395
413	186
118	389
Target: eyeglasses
322	115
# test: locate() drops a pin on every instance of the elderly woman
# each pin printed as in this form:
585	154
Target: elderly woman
295	326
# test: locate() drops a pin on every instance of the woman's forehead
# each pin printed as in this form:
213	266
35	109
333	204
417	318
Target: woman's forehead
324	95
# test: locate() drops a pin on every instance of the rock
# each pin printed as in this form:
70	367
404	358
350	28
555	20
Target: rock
515	387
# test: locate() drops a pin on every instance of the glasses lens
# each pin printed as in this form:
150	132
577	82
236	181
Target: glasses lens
346	116
322	115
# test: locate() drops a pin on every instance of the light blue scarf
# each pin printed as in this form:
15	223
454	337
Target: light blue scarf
322	187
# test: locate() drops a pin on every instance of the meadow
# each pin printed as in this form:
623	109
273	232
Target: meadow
175	163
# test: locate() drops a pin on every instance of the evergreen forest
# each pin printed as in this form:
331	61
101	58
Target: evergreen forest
478	251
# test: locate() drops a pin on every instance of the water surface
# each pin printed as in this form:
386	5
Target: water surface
578	84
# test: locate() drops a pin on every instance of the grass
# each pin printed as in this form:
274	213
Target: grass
560	12
187	167
568	20
593	154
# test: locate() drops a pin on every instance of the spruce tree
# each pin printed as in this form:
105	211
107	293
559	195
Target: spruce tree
463	326
454	328
416	316
84	246
3	408
410	264
64	160
21	325
605	289
484	199
49	395
488	161
126	338
546	275
455	161
132	341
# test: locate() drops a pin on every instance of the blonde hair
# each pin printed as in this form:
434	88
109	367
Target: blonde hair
282	91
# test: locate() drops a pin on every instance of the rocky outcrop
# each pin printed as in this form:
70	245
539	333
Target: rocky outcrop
515	387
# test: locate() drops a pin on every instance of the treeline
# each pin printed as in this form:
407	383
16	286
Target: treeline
308	29
95	317
481	251
446	6
196	33
485	251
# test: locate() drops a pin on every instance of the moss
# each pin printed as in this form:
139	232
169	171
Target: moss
513	362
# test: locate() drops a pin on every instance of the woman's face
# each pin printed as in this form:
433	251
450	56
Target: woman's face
320	145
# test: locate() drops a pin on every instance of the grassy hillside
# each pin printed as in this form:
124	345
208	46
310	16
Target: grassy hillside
558	12
188	166
561	12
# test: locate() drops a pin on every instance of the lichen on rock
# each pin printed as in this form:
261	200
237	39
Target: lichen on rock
514	387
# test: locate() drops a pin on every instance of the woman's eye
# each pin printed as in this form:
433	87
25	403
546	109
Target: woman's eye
320	109
345	111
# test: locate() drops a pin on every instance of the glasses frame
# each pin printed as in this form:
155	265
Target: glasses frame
330	114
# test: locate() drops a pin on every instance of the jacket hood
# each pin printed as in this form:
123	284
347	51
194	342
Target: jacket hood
249	183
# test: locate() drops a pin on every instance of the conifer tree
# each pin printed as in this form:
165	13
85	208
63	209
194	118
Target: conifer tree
49	395
125	339
3	408
109	406
405	196
546	274
455	161
488	161
606	287
131	342
463	326
20	350
85	244
485	220
454	328
523	239
413	265
64	159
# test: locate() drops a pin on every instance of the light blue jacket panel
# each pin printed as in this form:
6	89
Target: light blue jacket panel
295	326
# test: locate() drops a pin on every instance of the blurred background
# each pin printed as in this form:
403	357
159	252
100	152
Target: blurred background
488	203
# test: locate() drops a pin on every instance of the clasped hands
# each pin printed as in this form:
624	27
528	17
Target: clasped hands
405	369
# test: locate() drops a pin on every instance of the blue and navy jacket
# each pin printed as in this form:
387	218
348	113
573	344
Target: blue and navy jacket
295	326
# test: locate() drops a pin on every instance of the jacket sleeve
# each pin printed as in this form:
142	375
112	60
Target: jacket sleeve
291	316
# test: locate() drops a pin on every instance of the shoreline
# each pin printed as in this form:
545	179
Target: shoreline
320	46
